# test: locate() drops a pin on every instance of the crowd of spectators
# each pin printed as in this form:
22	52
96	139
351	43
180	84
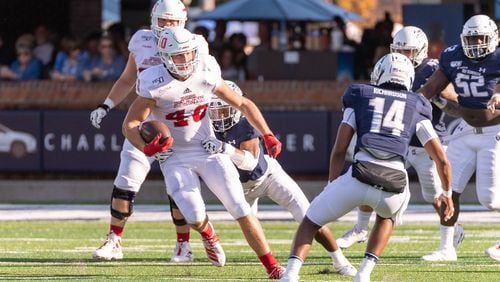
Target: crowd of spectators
43	55
101	56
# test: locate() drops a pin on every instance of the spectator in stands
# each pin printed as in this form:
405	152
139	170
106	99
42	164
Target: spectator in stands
25	67
70	61
91	46
116	32
7	54
108	66
237	43
44	48
219	41
228	69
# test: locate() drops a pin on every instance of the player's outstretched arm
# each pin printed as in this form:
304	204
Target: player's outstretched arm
253	114
434	85
339	150
121	88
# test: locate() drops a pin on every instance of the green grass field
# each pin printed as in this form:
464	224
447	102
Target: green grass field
61	250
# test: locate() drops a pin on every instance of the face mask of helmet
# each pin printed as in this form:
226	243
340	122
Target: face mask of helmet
411	42
223	115
479	37
178	51
170	10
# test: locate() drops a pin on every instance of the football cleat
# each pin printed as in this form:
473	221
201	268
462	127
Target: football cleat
458	236
355	235
494	251
110	249
288	278
182	252
362	277
214	251
277	272
347	270
441	255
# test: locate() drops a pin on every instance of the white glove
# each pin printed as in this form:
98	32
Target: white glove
213	145
163	156
98	114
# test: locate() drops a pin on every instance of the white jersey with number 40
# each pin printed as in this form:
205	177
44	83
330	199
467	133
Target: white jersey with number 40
182	105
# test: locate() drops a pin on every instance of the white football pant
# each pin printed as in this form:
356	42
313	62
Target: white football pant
478	150
279	187
346	193
182	171
428	177
134	167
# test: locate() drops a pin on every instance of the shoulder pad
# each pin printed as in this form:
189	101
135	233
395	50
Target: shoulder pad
141	37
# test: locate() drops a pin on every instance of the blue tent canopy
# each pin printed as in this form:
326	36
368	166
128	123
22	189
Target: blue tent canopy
276	10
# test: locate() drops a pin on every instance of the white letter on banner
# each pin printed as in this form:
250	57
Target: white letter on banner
308	143
48	142
83	144
115	147
291	142
66	142
99	143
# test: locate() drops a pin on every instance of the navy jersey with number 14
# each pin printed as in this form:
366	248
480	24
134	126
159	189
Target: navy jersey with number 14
385	119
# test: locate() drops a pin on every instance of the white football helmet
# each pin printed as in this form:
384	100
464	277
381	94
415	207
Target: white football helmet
412	42
176	41
223	115
393	68
169	10
479	37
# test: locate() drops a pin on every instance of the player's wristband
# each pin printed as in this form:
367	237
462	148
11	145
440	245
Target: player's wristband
107	105
447	193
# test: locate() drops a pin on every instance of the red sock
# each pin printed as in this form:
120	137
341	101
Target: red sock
118	230
208	232
183	237
269	261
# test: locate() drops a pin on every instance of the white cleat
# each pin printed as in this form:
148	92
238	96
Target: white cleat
182	252
458	236
214	251
347	270
289	278
362	277
494	251
441	255
110	249
355	235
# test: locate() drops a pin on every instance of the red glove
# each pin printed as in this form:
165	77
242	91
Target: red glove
273	145
155	146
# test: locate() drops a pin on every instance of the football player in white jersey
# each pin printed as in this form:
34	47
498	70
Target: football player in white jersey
261	175
473	67
412	42
178	93
134	165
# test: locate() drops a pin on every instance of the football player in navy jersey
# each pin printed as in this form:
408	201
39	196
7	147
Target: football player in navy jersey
474	70
260	174
385	116
412	42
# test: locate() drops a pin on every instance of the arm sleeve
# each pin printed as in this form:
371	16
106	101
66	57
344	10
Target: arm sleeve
425	131
349	118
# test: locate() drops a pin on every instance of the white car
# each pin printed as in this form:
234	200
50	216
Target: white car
17	143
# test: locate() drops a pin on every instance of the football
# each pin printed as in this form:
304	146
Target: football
149	129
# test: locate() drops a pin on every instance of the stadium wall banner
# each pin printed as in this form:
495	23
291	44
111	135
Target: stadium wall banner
65	141
305	137
20	137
